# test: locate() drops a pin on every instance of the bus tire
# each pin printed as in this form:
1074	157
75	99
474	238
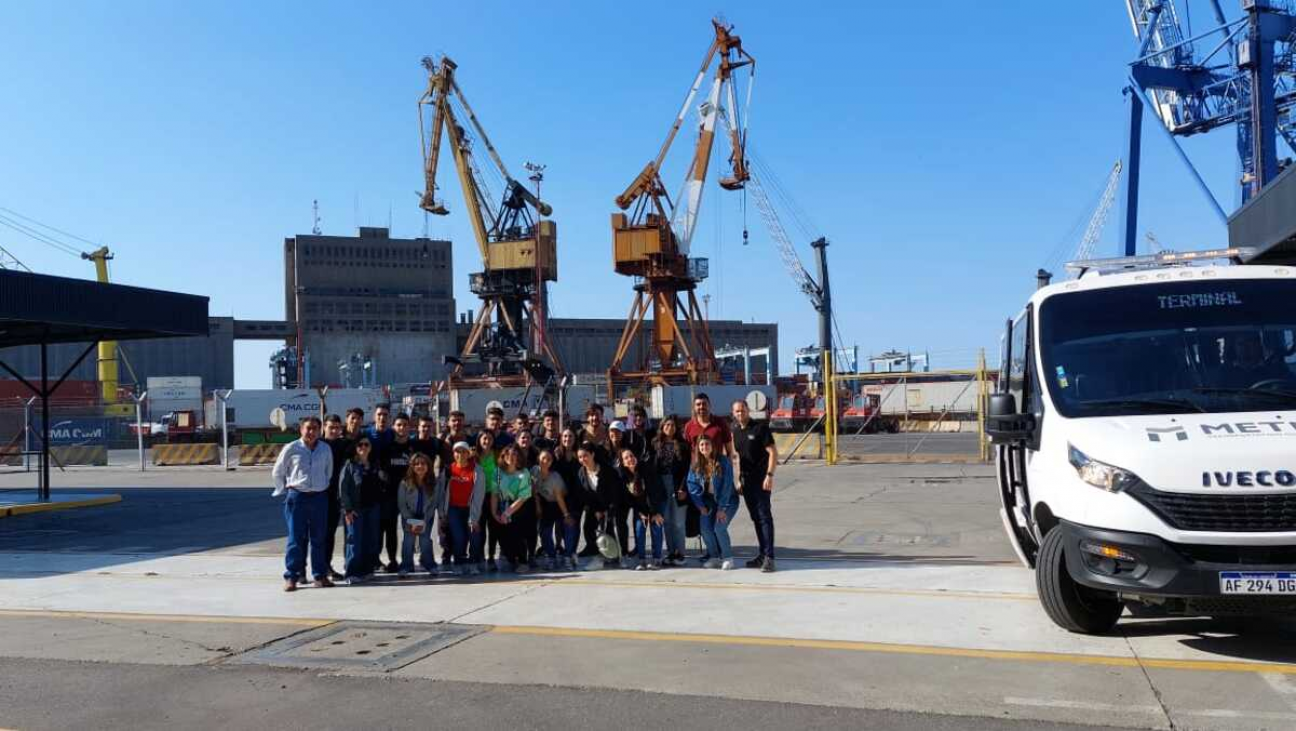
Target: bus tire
1072	607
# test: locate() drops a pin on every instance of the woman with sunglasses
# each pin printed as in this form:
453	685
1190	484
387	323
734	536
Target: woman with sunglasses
361	486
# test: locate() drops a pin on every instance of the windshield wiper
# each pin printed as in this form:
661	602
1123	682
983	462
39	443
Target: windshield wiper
1178	405
1253	392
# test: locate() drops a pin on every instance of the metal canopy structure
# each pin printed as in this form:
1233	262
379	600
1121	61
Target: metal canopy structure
37	309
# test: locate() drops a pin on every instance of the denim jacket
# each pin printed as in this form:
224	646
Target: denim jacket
723	491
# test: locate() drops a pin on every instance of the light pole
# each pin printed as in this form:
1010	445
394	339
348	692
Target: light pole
139	425
538	317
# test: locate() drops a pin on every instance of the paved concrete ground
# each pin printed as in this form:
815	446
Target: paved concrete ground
936	444
896	593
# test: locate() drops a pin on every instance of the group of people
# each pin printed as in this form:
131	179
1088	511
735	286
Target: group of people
519	497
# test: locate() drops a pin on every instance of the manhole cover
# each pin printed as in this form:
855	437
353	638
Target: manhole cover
360	646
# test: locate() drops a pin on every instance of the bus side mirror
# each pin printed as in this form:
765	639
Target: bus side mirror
1003	424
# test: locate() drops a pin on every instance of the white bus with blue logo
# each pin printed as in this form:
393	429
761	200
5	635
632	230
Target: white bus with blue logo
1145	431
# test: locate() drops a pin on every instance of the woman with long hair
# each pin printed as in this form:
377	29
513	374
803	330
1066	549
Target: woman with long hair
463	489
711	486
512	508
417	501
557	524
648	500
671	456
567	465
489	535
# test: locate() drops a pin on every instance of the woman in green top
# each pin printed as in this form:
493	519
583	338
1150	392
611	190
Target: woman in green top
512	507
490	531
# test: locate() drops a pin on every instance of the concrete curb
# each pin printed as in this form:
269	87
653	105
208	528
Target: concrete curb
29	508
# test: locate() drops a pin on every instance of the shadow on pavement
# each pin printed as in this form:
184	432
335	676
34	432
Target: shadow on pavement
149	521
1263	639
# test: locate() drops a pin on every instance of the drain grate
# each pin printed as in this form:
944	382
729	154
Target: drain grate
373	646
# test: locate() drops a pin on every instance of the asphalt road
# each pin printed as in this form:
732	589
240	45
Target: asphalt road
898	604
57	695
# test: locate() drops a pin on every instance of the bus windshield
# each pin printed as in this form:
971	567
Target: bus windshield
1200	346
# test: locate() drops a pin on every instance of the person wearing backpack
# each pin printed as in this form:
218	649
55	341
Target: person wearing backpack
711	486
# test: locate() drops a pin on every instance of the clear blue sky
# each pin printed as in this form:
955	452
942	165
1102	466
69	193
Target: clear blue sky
946	148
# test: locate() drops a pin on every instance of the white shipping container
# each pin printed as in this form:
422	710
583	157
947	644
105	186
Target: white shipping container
933	397
153	382
678	400
251	409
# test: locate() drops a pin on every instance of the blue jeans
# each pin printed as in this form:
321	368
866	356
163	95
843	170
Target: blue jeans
676	518
641	528
421	541
461	535
306	514
716	534
557	533
363	537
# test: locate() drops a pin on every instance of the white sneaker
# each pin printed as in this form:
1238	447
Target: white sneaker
713	563
727	565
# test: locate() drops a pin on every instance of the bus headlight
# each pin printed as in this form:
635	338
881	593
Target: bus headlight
1100	474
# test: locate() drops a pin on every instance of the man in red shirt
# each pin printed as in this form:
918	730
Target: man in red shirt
704	423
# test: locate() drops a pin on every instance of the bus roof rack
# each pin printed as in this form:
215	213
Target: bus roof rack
1153	261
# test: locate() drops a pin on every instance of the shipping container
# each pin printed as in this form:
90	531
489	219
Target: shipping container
251	409
929	397
81	392
678	400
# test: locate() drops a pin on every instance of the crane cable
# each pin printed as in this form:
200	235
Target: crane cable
9	222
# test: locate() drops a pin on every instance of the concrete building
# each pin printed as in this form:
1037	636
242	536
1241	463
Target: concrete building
391	301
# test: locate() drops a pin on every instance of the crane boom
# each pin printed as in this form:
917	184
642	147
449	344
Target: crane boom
518	247
1099	218
652	242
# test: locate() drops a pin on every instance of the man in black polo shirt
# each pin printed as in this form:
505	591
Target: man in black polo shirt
756	458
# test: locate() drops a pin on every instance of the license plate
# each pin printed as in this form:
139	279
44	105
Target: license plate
1258	582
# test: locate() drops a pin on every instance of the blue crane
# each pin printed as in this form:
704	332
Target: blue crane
1240	72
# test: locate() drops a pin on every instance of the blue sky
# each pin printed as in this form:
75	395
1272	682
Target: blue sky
947	149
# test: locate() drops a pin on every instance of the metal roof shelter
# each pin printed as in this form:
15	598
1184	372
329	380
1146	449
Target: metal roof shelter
37	309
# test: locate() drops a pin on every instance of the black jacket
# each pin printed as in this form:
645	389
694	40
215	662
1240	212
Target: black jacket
361	486
673	458
644	491
610	493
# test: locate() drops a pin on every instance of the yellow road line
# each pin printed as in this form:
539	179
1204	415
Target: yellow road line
57	614
902	649
28	508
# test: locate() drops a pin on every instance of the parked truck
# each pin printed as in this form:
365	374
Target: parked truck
251	410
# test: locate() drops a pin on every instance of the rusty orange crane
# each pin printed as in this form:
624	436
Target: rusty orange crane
651	242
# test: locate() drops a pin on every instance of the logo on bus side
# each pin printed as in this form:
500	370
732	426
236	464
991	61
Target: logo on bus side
1233	429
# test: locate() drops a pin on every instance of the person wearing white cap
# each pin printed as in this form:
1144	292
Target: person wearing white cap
462	492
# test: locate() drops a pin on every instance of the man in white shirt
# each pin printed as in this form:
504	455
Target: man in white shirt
302	471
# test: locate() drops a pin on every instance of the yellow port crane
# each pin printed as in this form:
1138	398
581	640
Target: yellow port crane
108	379
652	242
519	247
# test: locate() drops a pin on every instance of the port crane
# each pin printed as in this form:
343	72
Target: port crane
519	247
651	242
1240	72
